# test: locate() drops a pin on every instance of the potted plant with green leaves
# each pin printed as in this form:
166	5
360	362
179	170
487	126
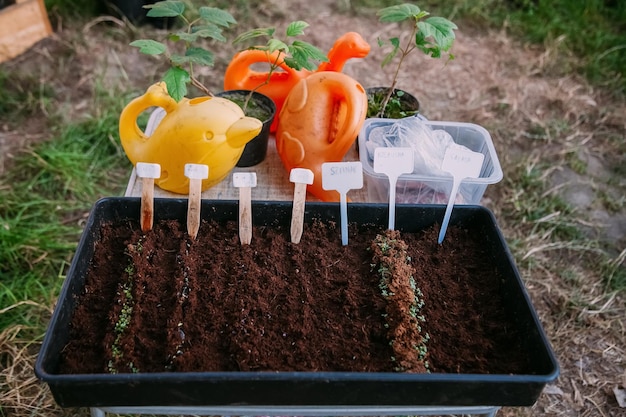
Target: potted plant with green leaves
184	50
283	56
203	23
432	35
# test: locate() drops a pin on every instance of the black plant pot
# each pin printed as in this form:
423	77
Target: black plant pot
263	108
336	389
134	11
407	104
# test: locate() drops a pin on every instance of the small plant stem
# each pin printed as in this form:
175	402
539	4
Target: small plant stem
199	85
404	53
194	81
273	66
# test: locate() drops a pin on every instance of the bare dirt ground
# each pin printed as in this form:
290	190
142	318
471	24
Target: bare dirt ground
542	120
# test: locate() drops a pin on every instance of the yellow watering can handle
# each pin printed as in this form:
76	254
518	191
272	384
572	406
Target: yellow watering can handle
156	96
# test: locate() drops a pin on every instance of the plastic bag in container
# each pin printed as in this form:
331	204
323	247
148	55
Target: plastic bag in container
429	147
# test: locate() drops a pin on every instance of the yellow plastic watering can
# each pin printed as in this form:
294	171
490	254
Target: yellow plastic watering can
206	130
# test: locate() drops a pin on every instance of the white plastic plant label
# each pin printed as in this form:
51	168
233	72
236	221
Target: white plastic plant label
244	179
301	176
148	170
196	171
393	162
461	163
342	176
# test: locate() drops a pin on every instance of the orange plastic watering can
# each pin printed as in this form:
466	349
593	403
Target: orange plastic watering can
319	122
206	130
239	74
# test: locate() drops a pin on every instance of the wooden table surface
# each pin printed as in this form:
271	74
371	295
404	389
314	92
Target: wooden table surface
272	182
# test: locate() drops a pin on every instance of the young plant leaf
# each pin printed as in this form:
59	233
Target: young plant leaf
296	28
395	43
200	56
276	45
176	80
254	33
217	16
400	12
304	53
165	9
149	47
178	60
207	32
438	31
183	36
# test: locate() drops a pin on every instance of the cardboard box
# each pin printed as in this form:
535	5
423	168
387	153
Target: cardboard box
21	26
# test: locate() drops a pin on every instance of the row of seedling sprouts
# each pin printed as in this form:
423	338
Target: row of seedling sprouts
339	176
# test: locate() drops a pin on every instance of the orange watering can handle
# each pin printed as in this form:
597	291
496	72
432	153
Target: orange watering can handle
349	99
156	96
355	99
240	75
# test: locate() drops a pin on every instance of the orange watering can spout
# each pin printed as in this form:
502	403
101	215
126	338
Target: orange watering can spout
350	45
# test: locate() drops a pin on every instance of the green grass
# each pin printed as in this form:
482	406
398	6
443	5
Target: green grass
45	196
592	30
21	96
71	9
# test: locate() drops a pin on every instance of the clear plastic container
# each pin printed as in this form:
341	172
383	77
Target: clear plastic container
422	189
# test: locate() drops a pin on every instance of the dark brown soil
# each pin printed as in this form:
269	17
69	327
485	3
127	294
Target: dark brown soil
215	305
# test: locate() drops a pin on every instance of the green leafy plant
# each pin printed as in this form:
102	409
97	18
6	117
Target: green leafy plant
432	35
292	52
205	23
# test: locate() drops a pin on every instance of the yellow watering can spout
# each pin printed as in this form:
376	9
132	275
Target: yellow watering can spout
205	130
238	134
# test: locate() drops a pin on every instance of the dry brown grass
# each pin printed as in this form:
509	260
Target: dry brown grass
543	122
21	394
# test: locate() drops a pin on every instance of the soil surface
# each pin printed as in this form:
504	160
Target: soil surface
212	304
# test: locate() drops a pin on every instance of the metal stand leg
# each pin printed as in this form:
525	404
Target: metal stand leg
96	412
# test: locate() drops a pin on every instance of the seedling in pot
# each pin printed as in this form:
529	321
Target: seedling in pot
245	181
148	173
342	177
461	163
200	24
196	173
433	35
300	177
286	52
393	162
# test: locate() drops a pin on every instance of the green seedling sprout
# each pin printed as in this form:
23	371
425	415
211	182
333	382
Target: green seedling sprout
294	53
432	35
